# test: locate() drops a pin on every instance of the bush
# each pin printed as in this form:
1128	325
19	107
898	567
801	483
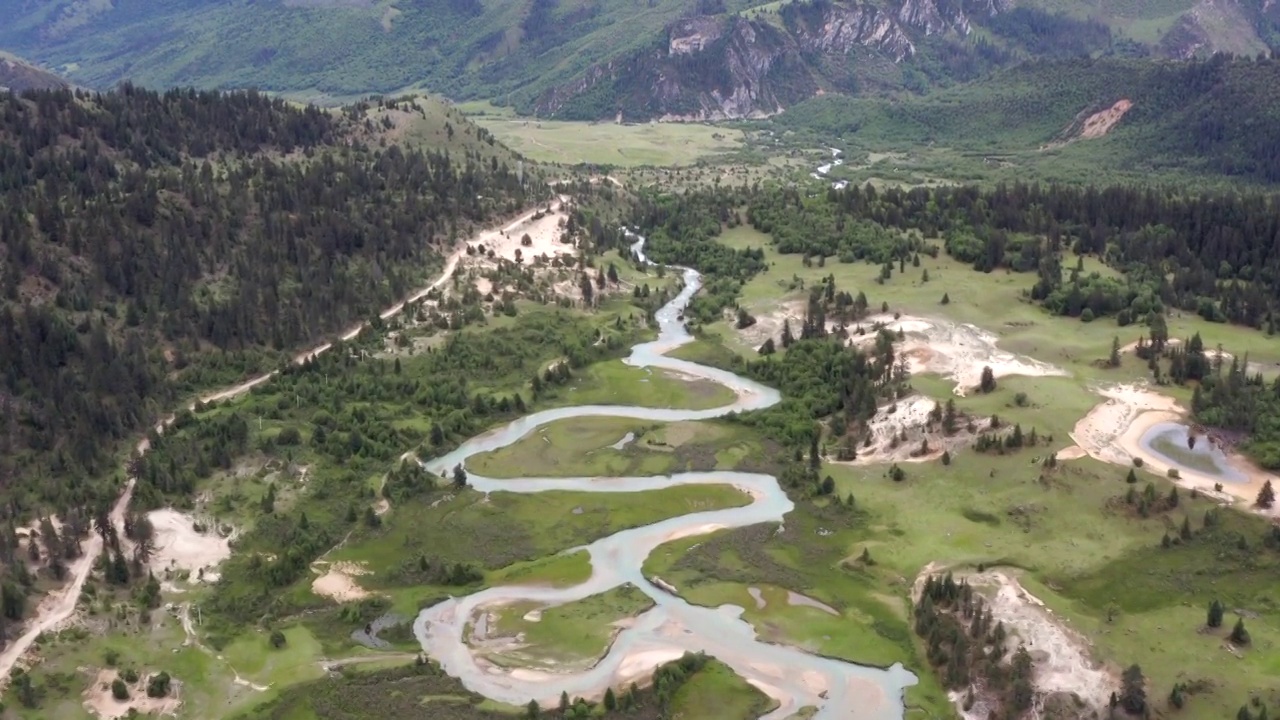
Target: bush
277	639
1174	474
1137	462
119	690
130	675
158	685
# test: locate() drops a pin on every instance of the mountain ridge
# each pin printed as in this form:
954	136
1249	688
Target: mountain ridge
594	59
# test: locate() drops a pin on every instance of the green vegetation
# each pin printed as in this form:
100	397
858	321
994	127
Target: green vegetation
616	383
576	633
1188	121
163	276
714	691
613	144
585	447
491	533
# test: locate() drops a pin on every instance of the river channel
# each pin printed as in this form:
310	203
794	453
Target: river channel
793	677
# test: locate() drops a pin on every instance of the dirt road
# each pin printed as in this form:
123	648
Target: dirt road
58	606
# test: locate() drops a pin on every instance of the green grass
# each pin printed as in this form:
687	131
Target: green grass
607	143
253	657
584	447
716	692
576	633
615	383
992	301
500	529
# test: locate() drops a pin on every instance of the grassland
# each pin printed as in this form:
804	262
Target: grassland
716	692
993	301
1092	559
595	447
573	634
500	529
612	144
616	383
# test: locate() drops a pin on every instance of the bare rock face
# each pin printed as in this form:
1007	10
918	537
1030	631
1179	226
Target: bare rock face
713	68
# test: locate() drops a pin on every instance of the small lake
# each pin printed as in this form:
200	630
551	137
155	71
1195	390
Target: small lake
1168	441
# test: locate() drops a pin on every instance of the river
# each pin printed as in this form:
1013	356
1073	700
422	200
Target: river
791	676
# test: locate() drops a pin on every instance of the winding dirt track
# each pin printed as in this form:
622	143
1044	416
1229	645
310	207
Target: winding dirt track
60	605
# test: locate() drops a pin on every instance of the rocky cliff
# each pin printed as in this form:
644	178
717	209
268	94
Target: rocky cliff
714	68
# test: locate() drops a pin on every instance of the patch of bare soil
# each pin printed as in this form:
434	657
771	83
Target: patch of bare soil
338	582
100	701
957	351
180	546
1100	123
901	431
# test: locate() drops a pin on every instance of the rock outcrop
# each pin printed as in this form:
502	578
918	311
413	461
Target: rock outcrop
714	68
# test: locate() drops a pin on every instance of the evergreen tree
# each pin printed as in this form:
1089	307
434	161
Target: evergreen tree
988	382
1239	635
1133	691
1216	611
1266	496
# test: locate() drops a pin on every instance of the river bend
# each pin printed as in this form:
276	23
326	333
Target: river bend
791	676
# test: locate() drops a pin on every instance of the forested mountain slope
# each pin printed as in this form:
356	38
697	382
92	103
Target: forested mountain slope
1218	116
597	58
153	244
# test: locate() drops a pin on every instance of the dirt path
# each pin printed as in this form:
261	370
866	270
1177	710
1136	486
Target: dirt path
60	605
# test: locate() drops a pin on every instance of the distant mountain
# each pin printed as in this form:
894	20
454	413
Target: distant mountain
599	58
17	75
1212	117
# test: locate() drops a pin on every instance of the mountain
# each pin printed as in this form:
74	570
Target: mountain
1214	117
17	75
154	244
598	58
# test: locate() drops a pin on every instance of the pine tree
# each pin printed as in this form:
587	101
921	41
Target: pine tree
1214	620
531	711
988	382
1133	692
1266	496
1114	361
946	299
1239	635
610	701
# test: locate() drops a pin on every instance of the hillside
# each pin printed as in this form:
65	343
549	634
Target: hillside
17	75
590	59
156	244
1216	117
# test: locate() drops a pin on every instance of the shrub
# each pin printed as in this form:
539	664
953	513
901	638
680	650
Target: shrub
119	690
158	685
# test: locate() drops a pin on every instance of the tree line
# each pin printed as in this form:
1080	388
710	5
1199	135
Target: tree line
151	236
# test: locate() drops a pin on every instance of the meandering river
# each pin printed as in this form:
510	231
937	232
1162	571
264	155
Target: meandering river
793	677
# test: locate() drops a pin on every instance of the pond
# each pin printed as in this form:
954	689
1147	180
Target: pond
1168	441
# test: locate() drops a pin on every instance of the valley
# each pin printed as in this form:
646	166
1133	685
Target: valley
411	408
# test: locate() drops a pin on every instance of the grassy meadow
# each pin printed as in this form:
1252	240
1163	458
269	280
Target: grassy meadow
612	144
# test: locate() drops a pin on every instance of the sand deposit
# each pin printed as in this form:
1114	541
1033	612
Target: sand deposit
179	546
795	599
957	351
544	236
1113	431
1061	657
339	584
100	702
